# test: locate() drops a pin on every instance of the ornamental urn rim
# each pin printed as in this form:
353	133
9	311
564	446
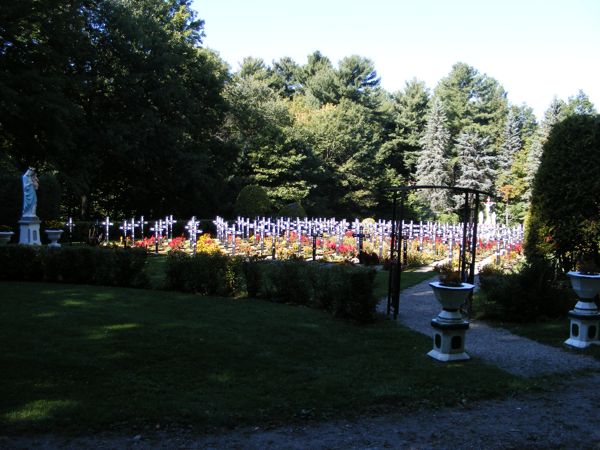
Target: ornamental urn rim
576	274
462	287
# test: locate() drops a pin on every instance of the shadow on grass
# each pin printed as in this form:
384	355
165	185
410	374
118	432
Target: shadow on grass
84	357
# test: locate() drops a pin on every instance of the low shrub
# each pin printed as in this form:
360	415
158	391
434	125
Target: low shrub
205	273
368	258
351	293
20	263
81	265
528	294
344	291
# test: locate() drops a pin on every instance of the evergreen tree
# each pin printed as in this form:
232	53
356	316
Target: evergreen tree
475	162
285	77
432	166
511	145
512	183
473	102
358	81
410	107
580	105
255	68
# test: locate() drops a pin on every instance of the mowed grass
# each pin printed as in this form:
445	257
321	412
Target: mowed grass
408	278
554	333
81	358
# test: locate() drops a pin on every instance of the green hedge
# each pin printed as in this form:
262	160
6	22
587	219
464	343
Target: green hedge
83	265
206	274
344	291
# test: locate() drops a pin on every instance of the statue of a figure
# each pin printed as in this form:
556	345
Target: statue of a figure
30	185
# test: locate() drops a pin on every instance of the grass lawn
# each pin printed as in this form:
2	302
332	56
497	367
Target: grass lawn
408	278
82	358
553	333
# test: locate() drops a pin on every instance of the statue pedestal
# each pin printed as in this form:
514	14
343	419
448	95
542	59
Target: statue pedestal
30	231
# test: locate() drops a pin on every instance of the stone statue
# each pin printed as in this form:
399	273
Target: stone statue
30	185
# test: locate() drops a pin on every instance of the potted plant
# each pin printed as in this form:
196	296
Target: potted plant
451	292
5	234
585	281
53	231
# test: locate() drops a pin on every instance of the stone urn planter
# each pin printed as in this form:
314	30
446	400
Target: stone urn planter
451	298
5	237
53	237
585	317
449	325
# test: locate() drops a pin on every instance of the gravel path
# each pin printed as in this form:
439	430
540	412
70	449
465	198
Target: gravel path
515	354
565	418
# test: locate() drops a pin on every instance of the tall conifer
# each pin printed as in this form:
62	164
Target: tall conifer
432	166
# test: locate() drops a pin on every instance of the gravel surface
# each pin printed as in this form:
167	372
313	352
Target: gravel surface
515	354
564	418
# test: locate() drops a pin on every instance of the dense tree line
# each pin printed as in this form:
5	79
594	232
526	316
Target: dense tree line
120	102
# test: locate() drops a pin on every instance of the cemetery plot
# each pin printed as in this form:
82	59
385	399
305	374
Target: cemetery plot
327	239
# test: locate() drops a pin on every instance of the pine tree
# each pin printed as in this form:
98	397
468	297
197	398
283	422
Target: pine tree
475	162
410	106
432	166
580	105
511	145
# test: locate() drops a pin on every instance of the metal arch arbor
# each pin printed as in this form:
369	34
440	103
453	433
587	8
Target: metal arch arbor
467	268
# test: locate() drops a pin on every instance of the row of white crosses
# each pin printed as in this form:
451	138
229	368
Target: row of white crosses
378	233
128	228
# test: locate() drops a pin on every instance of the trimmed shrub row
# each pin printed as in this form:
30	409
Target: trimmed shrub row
204	273
344	291
81	265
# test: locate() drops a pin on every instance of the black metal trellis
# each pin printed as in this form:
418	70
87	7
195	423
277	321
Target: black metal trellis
470	217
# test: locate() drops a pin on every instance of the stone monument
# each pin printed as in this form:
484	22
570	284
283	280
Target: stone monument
30	222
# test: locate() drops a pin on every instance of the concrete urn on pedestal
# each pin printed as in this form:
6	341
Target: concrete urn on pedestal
449	325
585	317
53	237
5	237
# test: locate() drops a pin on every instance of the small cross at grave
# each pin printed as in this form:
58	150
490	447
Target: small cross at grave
169	221
107	224
315	233
70	225
140	224
193	230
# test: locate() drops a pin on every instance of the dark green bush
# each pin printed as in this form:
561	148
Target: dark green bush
204	273
82	265
253	201
353	296
252	274
368	258
20	263
344	291
529	295
292	210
